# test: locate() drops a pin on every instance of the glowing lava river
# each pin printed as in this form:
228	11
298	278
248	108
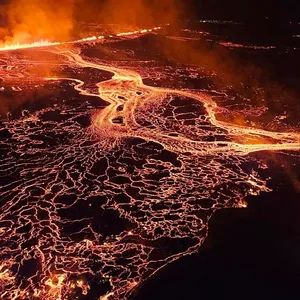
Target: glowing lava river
104	179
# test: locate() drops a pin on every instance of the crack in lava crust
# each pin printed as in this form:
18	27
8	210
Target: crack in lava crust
111	204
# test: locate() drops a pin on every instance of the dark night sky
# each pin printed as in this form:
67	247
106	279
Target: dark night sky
243	10
250	10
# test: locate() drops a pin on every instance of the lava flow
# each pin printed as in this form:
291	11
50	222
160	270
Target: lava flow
114	180
45	43
134	94
29	45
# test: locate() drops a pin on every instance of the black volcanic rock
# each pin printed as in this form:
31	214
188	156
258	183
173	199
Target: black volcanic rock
249	253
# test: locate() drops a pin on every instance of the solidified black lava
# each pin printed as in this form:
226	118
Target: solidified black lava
249	253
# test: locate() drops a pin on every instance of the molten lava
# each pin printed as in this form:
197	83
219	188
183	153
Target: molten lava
120	198
29	45
44	43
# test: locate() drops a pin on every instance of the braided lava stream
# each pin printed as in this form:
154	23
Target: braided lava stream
126	90
95	215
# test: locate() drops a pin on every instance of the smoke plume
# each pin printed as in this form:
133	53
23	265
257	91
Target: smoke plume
32	20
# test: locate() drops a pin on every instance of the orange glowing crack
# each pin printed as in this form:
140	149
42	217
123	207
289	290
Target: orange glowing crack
163	186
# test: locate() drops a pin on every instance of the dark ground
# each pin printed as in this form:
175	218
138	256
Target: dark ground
250	253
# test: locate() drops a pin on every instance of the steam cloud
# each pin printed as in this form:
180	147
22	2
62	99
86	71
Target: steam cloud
33	20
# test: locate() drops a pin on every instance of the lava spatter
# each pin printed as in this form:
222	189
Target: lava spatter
91	206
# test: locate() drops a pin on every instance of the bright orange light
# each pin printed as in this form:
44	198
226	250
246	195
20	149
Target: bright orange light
29	45
46	43
127	96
